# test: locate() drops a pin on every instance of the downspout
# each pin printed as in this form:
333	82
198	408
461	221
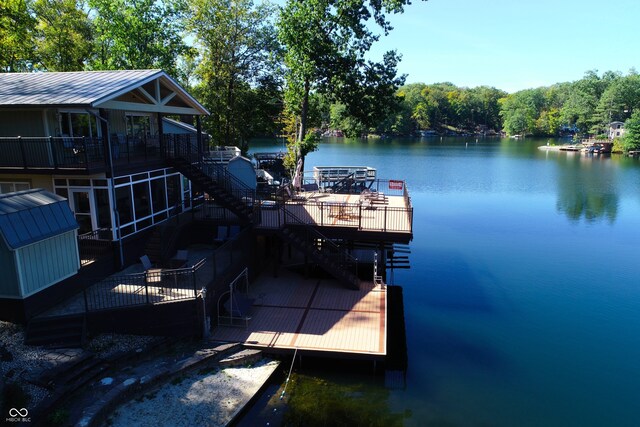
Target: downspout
109	163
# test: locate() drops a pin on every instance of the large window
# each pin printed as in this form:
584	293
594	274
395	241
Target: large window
138	126
124	204
77	124
159	194
149	198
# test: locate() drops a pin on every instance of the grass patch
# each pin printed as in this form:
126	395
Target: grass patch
317	402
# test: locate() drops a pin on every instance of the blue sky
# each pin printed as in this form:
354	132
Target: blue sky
513	44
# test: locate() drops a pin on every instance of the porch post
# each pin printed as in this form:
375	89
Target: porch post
199	139
163	150
106	142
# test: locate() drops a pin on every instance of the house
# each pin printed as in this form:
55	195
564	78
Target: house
98	140
616	130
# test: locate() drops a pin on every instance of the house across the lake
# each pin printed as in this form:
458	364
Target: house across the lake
616	130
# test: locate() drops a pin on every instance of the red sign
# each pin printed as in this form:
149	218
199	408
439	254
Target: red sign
395	185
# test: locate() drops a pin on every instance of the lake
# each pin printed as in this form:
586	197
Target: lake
522	303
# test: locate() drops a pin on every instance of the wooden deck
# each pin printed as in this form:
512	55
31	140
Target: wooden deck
316	315
345	211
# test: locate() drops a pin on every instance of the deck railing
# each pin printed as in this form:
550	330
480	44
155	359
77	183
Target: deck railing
150	287
94	245
70	153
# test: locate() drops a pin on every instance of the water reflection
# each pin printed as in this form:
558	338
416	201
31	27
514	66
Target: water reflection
587	187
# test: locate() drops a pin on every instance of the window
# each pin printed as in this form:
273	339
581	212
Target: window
138	126
158	195
141	199
101	197
124	204
10	187
77	124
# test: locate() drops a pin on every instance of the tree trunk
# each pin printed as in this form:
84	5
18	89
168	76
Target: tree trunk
303	117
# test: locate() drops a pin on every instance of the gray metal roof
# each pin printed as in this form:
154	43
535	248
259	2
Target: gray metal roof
30	216
78	88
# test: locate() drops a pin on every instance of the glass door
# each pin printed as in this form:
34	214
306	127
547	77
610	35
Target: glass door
81	202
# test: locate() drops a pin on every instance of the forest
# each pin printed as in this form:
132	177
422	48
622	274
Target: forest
299	69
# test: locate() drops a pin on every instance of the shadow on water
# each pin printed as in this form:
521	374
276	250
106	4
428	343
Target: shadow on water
452	283
587	189
446	346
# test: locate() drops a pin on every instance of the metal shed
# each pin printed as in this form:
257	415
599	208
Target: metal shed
38	247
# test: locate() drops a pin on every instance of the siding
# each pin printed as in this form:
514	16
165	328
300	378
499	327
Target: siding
48	262
21	123
9	281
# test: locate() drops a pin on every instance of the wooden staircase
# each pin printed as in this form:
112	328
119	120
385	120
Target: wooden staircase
330	264
218	183
56	331
234	195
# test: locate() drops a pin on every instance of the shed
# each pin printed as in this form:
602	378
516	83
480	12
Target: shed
243	169
38	247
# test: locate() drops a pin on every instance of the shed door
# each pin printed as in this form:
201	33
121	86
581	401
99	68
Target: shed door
81	202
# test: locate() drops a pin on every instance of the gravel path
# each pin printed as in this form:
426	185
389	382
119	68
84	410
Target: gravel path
201	399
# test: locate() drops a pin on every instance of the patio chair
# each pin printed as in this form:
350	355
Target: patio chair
153	275
223	234
294	197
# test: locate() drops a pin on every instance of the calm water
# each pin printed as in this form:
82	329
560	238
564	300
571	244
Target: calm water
523	300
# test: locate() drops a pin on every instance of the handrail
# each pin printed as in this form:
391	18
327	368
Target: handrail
311	231
139	288
186	150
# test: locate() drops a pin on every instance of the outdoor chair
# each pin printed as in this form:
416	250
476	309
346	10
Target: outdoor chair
223	234
294	197
153	275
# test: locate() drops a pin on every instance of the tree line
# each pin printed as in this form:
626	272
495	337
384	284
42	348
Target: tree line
258	68
267	70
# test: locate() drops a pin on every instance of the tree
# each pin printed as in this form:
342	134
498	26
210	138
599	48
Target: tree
631	139
139	34
238	51
325	43
64	34
17	27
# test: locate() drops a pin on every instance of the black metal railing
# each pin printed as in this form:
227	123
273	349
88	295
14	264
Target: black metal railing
337	214
323	243
186	149
150	287
94	245
77	152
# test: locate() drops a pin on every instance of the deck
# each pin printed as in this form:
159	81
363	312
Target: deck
314	315
345	211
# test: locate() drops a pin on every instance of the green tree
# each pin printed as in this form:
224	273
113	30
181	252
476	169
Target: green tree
139	34
325	44
631	139
17	44
238	48
64	34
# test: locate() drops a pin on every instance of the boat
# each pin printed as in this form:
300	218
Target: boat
601	148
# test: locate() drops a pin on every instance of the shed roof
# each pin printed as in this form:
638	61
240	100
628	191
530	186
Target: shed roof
89	89
30	216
